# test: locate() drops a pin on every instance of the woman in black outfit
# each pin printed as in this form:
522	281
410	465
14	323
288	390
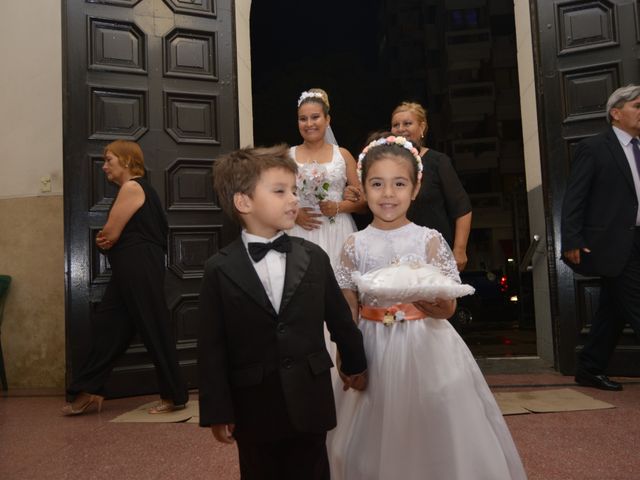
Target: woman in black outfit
135	241
442	203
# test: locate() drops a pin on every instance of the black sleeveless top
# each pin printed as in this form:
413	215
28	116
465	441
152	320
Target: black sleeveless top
147	225
441	199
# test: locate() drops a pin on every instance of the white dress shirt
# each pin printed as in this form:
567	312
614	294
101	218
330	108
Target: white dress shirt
625	142
270	269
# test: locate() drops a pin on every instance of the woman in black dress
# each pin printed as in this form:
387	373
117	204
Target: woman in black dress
442	203
135	241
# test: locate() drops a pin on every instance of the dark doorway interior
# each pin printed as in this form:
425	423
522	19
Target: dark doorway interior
458	59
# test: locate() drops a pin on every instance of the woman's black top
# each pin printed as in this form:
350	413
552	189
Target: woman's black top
147	225
441	199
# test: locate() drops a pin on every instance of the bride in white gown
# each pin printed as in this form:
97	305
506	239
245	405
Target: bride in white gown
324	171
427	412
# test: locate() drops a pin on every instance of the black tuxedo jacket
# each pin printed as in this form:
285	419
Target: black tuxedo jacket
263	369
600	206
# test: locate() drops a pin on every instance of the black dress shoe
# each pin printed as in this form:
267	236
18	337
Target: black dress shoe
602	382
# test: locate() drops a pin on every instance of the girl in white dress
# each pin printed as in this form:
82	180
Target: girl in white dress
324	171
427	412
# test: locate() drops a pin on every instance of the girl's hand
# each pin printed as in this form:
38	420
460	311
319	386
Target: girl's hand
223	432
351	193
329	208
441	309
308	219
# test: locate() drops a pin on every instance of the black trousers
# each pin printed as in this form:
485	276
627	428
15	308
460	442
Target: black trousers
619	304
270	447
134	301
302	456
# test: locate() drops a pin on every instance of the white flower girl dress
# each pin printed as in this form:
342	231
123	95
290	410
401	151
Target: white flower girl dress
427	412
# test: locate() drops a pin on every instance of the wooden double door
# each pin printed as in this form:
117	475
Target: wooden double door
586	49
161	73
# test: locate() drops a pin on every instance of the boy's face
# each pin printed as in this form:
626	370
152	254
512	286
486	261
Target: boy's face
273	205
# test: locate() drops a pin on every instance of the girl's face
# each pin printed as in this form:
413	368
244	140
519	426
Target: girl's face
389	190
406	124
312	122
112	168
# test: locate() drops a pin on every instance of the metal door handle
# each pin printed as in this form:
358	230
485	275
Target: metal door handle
525	264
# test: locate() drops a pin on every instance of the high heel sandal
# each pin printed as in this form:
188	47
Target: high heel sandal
82	403
165	406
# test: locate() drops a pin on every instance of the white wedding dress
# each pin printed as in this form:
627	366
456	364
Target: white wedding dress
330	236
427	412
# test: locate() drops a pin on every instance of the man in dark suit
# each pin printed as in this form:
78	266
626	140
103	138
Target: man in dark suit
601	230
263	364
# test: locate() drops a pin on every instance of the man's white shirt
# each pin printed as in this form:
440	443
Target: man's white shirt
625	142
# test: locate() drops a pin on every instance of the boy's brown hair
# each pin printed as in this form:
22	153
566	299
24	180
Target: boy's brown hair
239	171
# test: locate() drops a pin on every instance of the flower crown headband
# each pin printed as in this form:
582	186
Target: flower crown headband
391	140
305	95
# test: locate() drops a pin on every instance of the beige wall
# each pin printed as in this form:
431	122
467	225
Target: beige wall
31	222
243	49
533	170
31	96
31	246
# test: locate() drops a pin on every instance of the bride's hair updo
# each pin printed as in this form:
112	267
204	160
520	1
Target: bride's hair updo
384	145
315	95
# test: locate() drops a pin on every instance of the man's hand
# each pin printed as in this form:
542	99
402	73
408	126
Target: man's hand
223	432
573	256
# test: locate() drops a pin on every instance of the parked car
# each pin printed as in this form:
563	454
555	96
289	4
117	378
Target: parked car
495	299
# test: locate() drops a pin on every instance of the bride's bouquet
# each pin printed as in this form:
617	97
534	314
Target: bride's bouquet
406	282
312	183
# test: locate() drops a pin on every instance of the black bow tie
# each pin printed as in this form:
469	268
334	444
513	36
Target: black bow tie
258	250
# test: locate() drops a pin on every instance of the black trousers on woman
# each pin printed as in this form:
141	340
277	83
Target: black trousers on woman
134	301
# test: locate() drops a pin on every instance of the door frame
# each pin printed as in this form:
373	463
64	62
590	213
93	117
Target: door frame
531	108
573	298
532	113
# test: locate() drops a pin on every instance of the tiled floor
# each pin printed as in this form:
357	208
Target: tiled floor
36	442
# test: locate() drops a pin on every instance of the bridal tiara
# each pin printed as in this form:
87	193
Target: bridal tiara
306	95
391	140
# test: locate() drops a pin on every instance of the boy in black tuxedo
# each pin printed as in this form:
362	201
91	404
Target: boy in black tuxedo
264	369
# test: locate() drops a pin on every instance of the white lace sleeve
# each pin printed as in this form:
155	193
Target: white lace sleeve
440	255
347	265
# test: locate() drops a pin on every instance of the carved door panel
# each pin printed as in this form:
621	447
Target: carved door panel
162	73
588	48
